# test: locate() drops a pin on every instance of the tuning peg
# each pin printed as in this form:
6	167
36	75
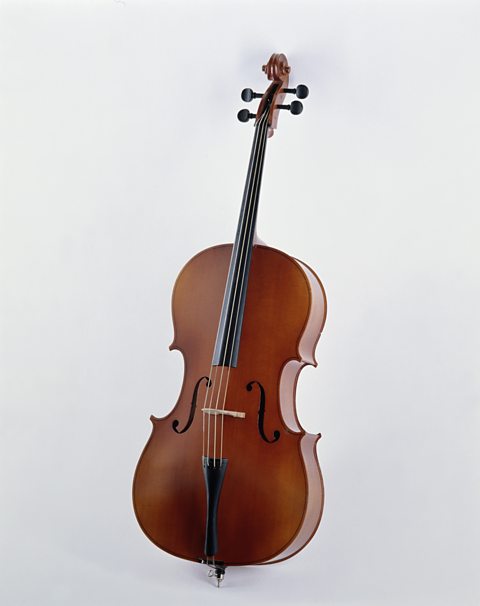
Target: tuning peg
301	91
294	108
248	95
244	115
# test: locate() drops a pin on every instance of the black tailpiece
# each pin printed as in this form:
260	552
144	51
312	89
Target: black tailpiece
213	472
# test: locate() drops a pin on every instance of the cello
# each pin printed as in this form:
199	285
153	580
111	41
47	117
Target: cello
230	477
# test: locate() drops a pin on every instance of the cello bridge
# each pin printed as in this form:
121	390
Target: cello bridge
226	413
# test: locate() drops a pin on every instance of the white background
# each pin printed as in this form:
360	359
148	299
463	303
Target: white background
121	158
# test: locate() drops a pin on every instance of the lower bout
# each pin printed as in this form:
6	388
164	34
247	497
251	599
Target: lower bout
170	504
315	502
304	524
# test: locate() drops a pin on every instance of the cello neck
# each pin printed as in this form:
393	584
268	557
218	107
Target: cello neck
230	326
251	194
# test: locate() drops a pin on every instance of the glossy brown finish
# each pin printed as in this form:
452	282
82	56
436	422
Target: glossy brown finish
272	496
277	70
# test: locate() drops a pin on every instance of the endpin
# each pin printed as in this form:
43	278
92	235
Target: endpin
217	570
218	574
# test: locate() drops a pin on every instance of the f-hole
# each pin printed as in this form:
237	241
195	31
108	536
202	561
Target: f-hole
261	413
193	407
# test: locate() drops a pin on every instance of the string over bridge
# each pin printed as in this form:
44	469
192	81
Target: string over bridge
227	413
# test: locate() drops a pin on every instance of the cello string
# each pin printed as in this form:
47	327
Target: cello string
248	206
245	272
248	232
242	220
214	369
259	152
241	276
212	377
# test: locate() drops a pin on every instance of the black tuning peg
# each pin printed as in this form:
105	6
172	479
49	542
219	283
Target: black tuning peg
301	91
294	108
244	115
248	95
